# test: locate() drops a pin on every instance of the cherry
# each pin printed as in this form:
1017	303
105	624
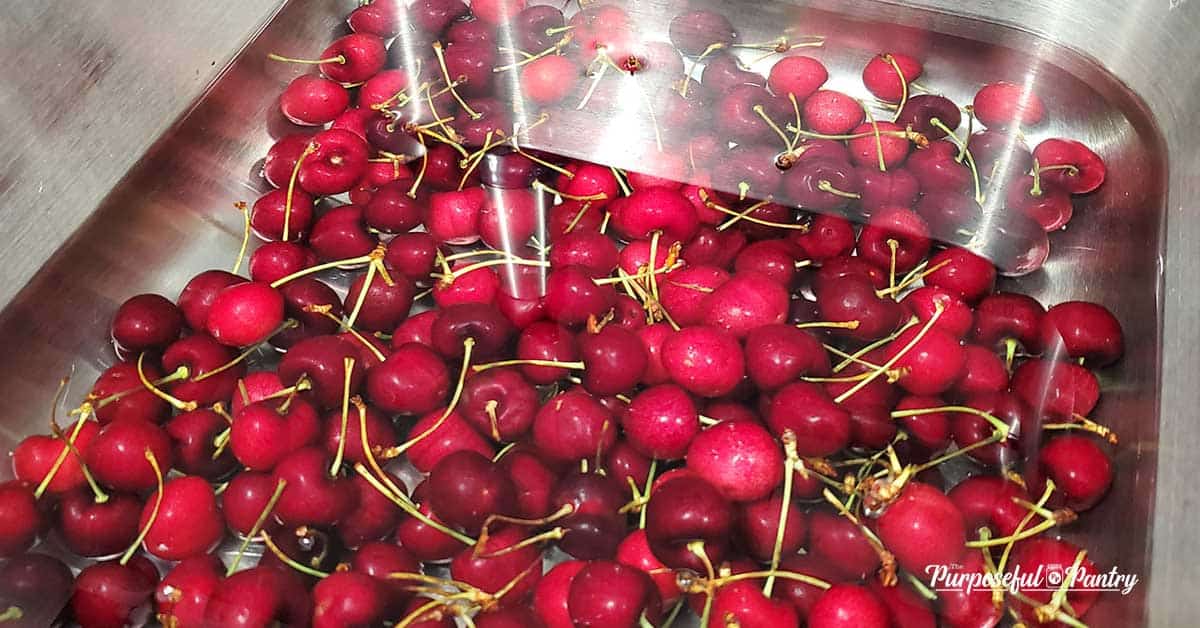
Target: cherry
550	597
391	209
831	112
748	170
271	211
803	595
778	354
983	372
244	314
192	434
932	430
496	11
321	360
146	321
846	605
383	307
378	18
906	228
378	560
1057	389
311	496
532	481
1085	170
340	233
381	434
962	609
488	567
300	296
828	237
864	150
922	527
572	426
614	360
840	545
20	518
546	341
244	500
705	361
111	593
412	380
661	422
187	522
37	584
479	286
694	32
276	260
886	188
264	432
36	455
683	510
454	434
311	100
1009	316
937	169
347	598
1078	467
433	16
116	454
481	323
956	318
412	254
968	429
337	163
648	210
499	403
758	525
536	27
775	259
1005	104
722	72
962	272
986	500
122	395
948	211
182	596
1050	207
259	596
921	109
1087	331
359	57
549	80
906	607
1000	155
1046	555
375	517
747	301
821	184
378	91
882	78
743	603
572	296
798	76
607	593
683	292
712	248
465	489
932	365
821	426
354	119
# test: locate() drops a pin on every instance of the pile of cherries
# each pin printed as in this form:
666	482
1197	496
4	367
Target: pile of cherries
503	388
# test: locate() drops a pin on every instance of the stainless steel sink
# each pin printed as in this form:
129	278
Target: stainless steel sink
1118	76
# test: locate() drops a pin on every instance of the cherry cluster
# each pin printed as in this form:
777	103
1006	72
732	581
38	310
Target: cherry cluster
505	388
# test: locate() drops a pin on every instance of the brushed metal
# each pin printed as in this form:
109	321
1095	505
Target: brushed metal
169	218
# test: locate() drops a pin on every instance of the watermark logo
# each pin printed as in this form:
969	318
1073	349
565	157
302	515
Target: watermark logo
954	578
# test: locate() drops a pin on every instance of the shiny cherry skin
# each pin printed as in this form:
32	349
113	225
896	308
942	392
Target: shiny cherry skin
146	321
932	365
614	360
846	606
1003	104
183	594
1005	316
412	380
92	529
108	593
758	524
821	426
837	543
262	434
550	601
480	322
322	360
311	100
117	455
683	510
244	500
747	301
745	604
347	598
739	458
311	496
192	434
35	456
244	314
1086	330
378	559
922	527
661	422
1050	554
545	340
1078	467
778	354
21	519
986	500
880	76
705	361
120	394
499	403
607	593
38	584
1056	389
1089	169
200	353
573	425
491	573
451	435
465	488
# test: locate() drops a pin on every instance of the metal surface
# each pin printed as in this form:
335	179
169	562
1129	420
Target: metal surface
171	217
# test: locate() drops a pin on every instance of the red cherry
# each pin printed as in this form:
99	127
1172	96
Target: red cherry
740	459
831	113
1078	467
922	527
837	543
378	560
378	18
778	354
607	593
847	606
693	32
799	76
347	598
885	188
654	209
546	341
270	211
188	522
745	604
902	226
454	434
920	111
340	233
276	260
705	361
182	596
108	593
322	360
146	321
413	380
360	56
244	314
263	433
259	596
962	609
937	169
747	301
192	434
881	78
1046	555
491	573
986	500
864	151
244	500
497	11
1058	389
20	518
828	236
931	430
811	183
983	372
614	360
381	434
758	524
465	489
1086	330
661	422
35	456
573	425
572	296
933	363
499	403
547	81
683	510
683	292
821	426
1009	316
339	161
311	496
117	458
956	318
1005	104
312	100
550	600
1086	172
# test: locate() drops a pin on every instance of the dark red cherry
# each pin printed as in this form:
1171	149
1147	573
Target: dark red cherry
413	380
451	435
311	496
338	163
1078	467
828	237
381	434
378	560
1052	555
1086	169
482	323
1009	316
921	109
705	361
109	593
693	32
614	360
887	188
117	455
275	260
384	306
259	596
573	426
499	403
146	321
550	597
341	233
986	500
684	510
465	489
1087	331
606	593
192	434
821	426
758	525
778	354
937	168
922	527
20	518
907	229
347	598
572	296
271	211
544	340
838	543
744	603
322	360
821	184
37	584
391	209
479	568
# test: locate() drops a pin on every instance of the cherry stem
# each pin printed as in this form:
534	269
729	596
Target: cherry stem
1010	352
158	497
565	510
549	535
1045	497
773	573
893	246
412	191
875	132
619	175
514	261
697	550
410	508
578	366
826	186
249	351
903	84
348	369
999	425
176	375
241	207
258	525
743	215
1087	425
787	141
828	325
887	569
854	357
599	196
339	59
1049	611
639	275
687	77
910	279
962	147
937	313
789	464
70	449
468	346
996	437
913	136
558	46
646	493
287	205
441	57
183	406
587	96
288	560
12	613
353	261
